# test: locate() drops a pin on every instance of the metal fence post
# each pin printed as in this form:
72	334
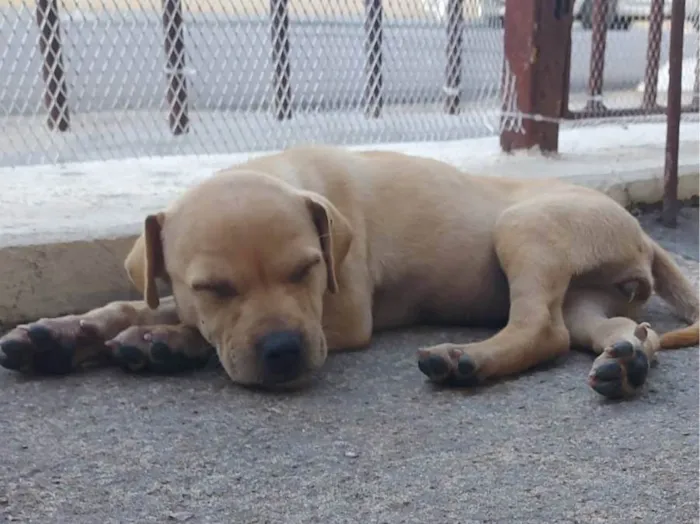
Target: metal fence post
537	47
453	71
374	86
669	211
176	93
282	70
55	90
695	104
599	36
651	74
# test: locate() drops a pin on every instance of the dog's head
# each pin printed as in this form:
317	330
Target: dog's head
249	260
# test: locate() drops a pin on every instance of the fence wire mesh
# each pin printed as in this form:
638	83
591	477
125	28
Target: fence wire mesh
137	78
88	80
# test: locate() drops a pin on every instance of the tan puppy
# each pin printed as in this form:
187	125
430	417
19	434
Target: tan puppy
275	262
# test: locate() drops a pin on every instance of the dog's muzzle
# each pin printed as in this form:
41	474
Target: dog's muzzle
281	356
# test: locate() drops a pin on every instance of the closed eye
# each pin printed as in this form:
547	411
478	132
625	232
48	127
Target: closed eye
300	274
221	289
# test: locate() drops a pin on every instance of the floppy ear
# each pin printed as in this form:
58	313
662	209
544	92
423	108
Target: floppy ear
145	263
334	232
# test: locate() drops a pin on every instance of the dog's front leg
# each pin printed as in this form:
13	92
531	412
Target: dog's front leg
160	348
60	345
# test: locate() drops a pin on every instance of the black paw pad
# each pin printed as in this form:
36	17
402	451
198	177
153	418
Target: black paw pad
466	366
130	358
159	358
434	367
608	371
37	351
612	389
637	369
51	355
14	354
622	373
466	375
622	349
165	360
42	338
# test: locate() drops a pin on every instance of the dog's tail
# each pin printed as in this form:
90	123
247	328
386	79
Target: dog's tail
675	288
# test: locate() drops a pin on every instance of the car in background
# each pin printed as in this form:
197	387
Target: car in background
621	13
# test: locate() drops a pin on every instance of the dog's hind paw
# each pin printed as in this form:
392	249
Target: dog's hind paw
449	365
53	346
621	370
160	349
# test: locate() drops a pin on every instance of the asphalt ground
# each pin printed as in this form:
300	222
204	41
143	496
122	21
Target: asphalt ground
369	442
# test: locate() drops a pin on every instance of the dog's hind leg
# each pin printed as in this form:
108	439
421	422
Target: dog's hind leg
541	245
599	321
60	345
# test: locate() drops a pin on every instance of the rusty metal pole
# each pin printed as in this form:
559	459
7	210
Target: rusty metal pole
281	65
453	70
55	90
374	86
695	104
673	115
651	74
599	36
176	93
535	79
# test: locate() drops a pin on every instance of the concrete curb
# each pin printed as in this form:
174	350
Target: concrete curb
43	275
646	187
45	280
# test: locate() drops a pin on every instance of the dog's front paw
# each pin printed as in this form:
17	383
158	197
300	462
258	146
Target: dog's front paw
622	369
159	349
448	364
50	346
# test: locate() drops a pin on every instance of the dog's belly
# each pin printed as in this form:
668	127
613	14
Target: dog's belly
450	296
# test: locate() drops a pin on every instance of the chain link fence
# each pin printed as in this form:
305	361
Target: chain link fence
100	79
137	78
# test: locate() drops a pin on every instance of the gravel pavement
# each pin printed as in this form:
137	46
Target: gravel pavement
371	442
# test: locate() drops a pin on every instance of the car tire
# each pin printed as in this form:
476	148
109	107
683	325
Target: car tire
495	22
614	21
622	23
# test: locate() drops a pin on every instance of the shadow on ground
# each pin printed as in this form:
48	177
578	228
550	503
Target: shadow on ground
371	442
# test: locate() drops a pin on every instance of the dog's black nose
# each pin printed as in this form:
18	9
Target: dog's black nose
282	355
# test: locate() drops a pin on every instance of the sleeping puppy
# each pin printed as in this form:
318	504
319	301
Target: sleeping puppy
275	262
